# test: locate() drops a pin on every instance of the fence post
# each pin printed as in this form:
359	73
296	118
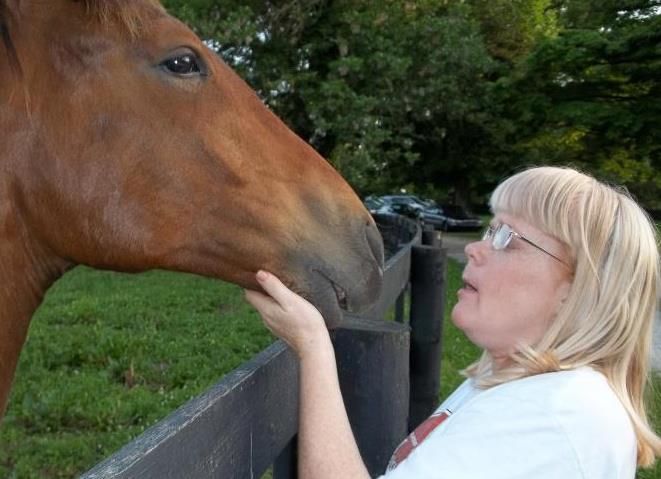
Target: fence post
285	465
428	282
372	360
399	306
431	237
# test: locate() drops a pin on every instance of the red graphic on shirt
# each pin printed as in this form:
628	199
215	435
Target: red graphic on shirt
416	437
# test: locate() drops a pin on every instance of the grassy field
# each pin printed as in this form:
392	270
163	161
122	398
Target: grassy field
109	354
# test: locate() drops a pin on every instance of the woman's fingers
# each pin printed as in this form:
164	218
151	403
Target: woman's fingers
258	300
286	314
274	288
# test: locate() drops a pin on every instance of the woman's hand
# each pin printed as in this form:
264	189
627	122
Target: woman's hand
326	446
288	315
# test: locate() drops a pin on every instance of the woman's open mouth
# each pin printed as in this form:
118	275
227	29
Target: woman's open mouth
468	287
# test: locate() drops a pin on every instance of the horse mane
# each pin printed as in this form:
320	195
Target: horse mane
128	14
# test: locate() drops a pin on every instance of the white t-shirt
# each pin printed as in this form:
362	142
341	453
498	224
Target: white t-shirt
563	425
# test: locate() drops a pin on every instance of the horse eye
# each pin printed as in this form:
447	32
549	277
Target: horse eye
182	64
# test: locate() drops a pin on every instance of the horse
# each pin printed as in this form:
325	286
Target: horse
127	144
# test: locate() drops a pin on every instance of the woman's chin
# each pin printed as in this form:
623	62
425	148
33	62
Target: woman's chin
458	315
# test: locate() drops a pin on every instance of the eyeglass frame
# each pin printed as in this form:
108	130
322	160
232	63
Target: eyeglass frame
490	234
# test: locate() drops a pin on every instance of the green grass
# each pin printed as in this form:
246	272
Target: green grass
457	352
109	354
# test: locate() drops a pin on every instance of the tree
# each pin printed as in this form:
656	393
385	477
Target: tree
512	28
591	95
387	91
450	96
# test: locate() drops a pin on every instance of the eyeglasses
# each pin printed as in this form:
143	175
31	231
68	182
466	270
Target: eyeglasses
501	236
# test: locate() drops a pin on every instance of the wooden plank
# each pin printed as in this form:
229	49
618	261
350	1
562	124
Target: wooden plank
235	429
285	465
428	283
373	368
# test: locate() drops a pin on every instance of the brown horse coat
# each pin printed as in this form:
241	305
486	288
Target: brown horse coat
126	144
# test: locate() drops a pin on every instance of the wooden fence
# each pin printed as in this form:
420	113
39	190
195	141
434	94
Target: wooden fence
247	423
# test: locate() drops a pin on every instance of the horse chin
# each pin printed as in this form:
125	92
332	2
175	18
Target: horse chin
328	304
332	300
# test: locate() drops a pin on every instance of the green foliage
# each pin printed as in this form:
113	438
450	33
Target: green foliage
590	95
512	28
453	96
379	88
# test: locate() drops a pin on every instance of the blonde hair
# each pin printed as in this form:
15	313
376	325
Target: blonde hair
607	318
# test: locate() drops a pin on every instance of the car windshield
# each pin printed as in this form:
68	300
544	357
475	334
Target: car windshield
374	202
405	200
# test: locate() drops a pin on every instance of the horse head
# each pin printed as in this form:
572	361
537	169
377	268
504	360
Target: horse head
127	144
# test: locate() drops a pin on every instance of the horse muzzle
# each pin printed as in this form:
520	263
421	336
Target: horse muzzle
351	282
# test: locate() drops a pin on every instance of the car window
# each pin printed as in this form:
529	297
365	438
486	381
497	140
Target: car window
455	211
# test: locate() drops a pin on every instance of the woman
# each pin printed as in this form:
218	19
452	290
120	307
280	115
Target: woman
561	294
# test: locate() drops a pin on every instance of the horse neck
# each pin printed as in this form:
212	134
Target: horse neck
26	272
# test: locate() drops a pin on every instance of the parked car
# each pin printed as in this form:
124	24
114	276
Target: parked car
405	209
413	202
409	205
376	205
456	218
432	215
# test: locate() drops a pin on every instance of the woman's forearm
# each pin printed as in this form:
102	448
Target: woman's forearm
327	447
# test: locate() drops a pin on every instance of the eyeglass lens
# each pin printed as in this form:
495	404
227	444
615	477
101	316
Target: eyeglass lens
500	235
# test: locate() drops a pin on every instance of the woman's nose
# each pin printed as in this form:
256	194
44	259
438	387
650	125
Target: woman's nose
475	251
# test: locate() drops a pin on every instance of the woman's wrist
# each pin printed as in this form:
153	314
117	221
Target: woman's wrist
315	343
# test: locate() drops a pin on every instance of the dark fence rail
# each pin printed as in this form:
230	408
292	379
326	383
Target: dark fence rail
235	429
248	421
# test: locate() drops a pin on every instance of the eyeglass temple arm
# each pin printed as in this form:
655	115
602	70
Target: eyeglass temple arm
541	249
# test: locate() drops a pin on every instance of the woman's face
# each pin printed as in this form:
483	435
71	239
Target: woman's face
511	296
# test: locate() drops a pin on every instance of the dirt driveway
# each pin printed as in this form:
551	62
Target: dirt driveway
455	244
